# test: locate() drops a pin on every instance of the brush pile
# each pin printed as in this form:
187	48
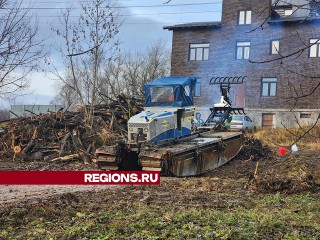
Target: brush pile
253	149
65	135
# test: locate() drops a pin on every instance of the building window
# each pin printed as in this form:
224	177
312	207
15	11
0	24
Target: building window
305	115
267	120
197	89
244	17
243	50
314	50
288	12
275	47
268	87
199	52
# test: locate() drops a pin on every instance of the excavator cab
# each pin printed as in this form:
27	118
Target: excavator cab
168	111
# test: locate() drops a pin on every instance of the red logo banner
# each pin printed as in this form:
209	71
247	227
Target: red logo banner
79	177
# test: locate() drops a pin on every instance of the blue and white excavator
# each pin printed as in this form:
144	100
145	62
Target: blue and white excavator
162	137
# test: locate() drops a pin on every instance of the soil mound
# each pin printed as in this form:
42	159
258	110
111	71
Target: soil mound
253	149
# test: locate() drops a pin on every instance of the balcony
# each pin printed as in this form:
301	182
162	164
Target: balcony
293	12
284	11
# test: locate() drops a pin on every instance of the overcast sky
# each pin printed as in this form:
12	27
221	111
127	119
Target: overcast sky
142	26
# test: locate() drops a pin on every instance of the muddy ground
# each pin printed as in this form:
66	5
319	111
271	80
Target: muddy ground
280	201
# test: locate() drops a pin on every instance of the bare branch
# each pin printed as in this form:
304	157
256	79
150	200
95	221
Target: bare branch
20	49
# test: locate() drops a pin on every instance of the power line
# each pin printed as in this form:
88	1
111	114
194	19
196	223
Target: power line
148	14
122	7
69	2
141	23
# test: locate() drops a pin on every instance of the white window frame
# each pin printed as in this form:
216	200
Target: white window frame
288	12
243	50
245	17
275	47
269	87
199	51
314	50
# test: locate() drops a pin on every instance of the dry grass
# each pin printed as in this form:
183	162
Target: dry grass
292	173
287	137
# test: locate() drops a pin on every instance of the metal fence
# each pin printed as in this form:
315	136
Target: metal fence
29	110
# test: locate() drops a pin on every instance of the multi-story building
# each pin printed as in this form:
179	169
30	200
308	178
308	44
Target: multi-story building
274	45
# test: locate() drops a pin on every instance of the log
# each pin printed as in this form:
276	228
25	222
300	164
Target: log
32	143
56	155
79	146
65	158
64	142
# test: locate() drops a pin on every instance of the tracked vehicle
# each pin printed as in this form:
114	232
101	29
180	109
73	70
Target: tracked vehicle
163	136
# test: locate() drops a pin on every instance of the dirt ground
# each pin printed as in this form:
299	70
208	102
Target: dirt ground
11	194
15	194
280	201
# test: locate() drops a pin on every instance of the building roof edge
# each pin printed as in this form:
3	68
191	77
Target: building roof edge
194	25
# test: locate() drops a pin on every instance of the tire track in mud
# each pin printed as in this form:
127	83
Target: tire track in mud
10	194
13	194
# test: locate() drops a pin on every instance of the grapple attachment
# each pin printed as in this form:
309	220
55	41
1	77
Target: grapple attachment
221	112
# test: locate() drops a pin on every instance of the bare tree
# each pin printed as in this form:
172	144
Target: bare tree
20	48
87	44
130	71
66	96
4	115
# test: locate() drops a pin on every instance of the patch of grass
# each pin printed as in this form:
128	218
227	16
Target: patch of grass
276	200
187	214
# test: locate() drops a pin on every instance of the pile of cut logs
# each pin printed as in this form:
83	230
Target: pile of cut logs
64	135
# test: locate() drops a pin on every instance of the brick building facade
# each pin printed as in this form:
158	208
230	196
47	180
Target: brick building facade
251	40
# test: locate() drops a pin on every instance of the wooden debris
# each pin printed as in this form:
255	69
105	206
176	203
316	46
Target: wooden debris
64	135
65	158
